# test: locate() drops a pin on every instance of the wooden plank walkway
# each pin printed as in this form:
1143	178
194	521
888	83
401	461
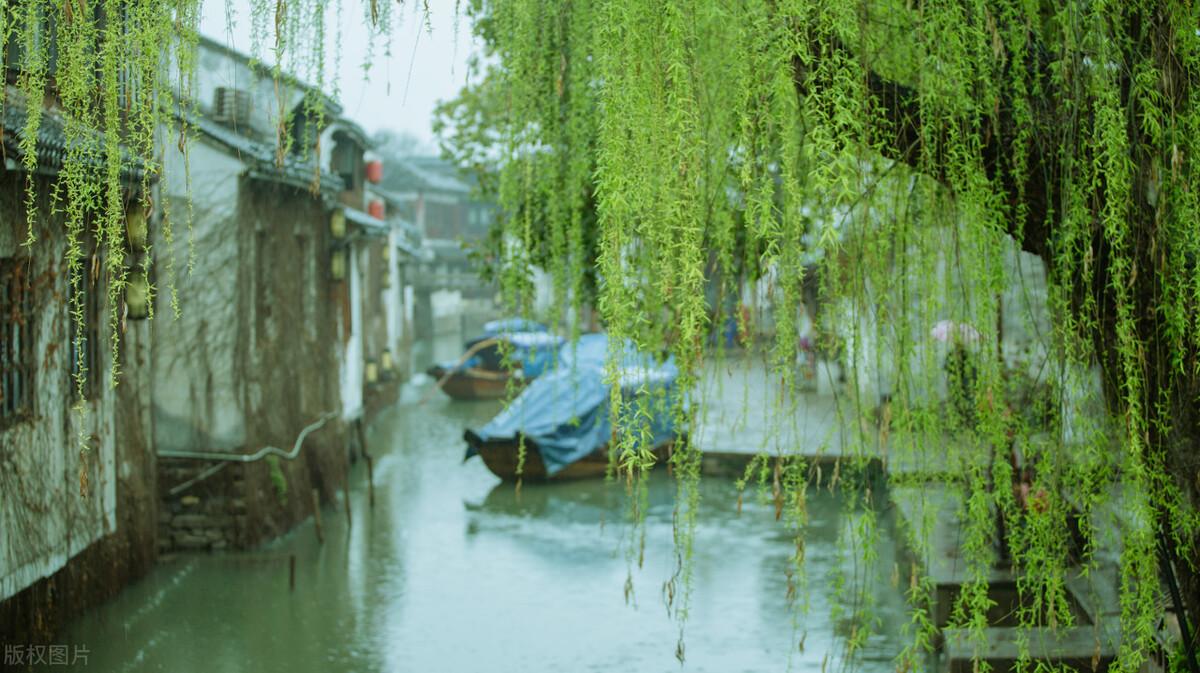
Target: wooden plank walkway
930	516
741	420
747	412
1083	648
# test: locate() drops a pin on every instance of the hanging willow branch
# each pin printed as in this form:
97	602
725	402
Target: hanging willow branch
898	152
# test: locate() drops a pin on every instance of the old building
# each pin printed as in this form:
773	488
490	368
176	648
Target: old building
259	380
408	272
280	318
397	265
77	502
443	207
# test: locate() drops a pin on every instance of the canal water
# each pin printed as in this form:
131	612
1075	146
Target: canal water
453	571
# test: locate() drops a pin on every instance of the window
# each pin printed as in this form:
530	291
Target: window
305	128
16	343
307	272
346	161
262	290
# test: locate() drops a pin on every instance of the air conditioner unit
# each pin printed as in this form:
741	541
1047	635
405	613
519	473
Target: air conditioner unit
232	107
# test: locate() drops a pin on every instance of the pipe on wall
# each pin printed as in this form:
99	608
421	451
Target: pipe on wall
257	455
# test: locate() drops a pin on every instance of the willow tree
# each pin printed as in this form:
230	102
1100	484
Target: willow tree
706	137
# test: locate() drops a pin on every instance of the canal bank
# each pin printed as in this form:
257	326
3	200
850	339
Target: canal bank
451	568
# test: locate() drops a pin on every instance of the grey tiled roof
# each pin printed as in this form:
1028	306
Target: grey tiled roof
372	226
262	157
52	146
426	174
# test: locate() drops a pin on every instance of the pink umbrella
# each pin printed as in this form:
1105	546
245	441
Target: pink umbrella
947	330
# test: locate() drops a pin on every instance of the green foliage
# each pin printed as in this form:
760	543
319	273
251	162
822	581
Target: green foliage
670	154
278	479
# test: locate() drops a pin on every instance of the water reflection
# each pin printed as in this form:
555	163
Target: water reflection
452	571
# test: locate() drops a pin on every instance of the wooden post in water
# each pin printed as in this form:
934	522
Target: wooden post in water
292	572
362	437
346	487
316	502
371	481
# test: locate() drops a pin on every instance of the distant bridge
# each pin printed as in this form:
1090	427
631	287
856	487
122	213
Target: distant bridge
424	279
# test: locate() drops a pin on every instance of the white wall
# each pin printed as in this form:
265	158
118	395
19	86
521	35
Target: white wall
393	298
870	328
216	68
352	352
198	390
410	297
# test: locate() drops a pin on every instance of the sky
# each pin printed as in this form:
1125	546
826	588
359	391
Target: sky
425	66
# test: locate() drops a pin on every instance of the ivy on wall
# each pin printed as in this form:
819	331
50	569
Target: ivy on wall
116	80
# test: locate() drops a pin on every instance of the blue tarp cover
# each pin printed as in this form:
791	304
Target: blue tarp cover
566	411
496	327
536	351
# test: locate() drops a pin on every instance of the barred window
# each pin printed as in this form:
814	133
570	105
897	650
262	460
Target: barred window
16	343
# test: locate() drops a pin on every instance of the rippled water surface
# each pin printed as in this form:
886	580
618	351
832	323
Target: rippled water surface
453	571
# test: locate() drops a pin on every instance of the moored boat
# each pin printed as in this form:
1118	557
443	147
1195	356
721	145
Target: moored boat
562	418
486	372
471	383
503	458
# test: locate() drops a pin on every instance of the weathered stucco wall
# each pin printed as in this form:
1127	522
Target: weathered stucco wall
44	521
61	549
252	360
293	341
217	67
868	330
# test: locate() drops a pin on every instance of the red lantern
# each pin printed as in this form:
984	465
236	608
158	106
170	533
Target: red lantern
375	172
375	209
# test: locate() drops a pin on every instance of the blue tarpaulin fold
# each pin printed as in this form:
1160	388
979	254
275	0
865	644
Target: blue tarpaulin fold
497	327
565	411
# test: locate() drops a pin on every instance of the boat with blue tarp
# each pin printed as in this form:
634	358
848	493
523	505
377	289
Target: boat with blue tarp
506	325
563	417
496	361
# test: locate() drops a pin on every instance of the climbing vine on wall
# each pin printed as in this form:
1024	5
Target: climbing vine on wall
117	79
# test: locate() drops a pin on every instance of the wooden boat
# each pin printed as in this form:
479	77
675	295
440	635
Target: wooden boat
501	458
475	384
